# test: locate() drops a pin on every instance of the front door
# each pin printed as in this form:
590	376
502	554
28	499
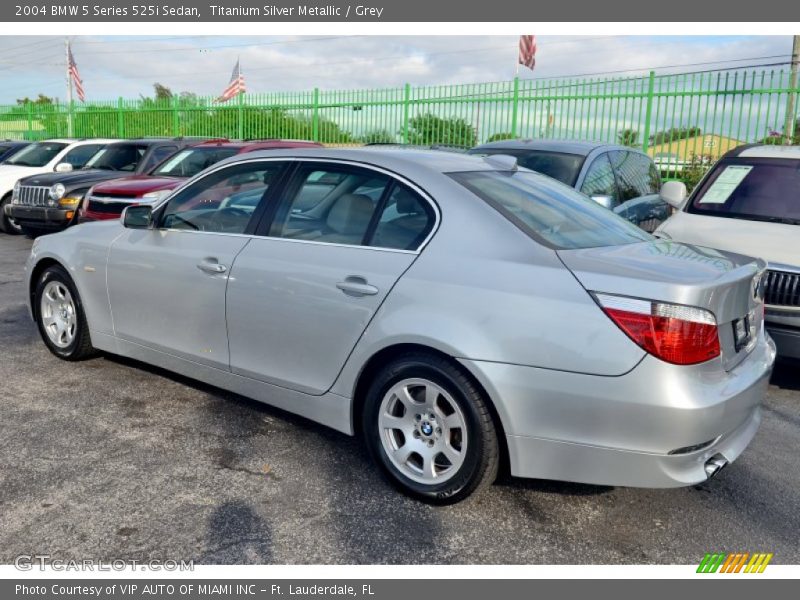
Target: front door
167	284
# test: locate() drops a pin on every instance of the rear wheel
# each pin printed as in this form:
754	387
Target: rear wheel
7	224
60	317
429	429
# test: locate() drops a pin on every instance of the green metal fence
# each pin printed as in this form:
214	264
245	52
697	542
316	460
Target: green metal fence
681	119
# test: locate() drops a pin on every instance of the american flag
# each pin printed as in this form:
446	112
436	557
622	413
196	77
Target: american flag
75	75
235	86
527	51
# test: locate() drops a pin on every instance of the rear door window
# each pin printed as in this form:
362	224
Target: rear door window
600	181
636	174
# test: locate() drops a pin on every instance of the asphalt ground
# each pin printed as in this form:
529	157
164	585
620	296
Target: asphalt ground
110	459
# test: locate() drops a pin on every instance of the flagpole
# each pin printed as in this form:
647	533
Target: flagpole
69	88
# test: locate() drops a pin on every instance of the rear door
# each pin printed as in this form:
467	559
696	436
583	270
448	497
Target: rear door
303	291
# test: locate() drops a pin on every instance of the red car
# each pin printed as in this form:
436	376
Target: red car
107	200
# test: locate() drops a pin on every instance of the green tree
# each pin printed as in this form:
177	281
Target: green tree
162	92
378	136
673	134
628	137
496	137
428	129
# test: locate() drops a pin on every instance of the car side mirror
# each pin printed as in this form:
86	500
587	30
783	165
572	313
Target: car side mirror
139	216
673	193
64	167
604	201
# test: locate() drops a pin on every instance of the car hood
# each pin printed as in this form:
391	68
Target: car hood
776	243
136	185
71	180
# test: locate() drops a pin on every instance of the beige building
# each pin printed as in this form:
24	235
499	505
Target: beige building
681	151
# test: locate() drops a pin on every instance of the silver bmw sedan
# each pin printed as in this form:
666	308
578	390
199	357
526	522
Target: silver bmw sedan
455	311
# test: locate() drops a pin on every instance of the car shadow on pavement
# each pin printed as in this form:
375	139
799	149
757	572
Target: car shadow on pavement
546	486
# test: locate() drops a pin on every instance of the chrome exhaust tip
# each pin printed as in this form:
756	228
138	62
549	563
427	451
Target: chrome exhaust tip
715	464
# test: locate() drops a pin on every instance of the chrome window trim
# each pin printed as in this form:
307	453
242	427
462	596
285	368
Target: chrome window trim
352	163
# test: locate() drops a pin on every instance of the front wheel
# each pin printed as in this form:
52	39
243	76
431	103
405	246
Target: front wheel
60	317
430	430
7	224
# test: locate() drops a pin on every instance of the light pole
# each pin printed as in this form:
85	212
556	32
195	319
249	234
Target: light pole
788	128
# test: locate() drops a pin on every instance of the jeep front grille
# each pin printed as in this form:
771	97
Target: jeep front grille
35	195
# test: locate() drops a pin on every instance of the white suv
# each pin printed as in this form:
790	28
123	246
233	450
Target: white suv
749	203
42	157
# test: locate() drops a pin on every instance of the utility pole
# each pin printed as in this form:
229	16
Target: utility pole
791	100
69	87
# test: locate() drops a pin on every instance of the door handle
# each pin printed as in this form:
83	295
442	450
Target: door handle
357	286
210	265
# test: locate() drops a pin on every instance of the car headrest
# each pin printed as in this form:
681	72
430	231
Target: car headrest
407	203
350	214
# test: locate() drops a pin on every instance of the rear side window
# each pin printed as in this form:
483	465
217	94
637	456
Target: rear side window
636	175
550	212
405	221
599	181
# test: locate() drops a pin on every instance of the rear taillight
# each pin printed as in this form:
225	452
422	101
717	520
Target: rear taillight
682	335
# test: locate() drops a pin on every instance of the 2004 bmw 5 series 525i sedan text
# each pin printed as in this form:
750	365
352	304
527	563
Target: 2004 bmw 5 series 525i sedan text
454	310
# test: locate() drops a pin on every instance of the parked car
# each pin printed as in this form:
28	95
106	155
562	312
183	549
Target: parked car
619	178
749	202
107	200
449	309
60	155
10	147
49	201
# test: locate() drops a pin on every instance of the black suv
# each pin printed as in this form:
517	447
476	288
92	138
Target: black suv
49	201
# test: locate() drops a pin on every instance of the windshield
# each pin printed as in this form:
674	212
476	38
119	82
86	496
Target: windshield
36	155
754	189
550	212
117	157
559	165
189	162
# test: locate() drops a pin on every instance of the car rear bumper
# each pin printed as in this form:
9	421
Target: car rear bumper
638	429
39	216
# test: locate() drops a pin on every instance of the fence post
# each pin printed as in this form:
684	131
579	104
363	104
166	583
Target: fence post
240	100
406	108
176	120
29	109
515	108
648	115
315	117
120	118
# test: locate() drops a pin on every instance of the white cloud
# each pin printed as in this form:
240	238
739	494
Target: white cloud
127	67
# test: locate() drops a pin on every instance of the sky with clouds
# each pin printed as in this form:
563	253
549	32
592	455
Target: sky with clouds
127	66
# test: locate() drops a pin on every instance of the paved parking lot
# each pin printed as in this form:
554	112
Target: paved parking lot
109	459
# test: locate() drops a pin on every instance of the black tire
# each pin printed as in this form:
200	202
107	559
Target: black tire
6	224
482	454
80	348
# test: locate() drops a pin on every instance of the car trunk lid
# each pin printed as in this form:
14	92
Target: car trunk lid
666	271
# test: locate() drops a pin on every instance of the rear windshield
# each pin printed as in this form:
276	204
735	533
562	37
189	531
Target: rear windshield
189	162
550	212
559	165
36	155
756	190
117	157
